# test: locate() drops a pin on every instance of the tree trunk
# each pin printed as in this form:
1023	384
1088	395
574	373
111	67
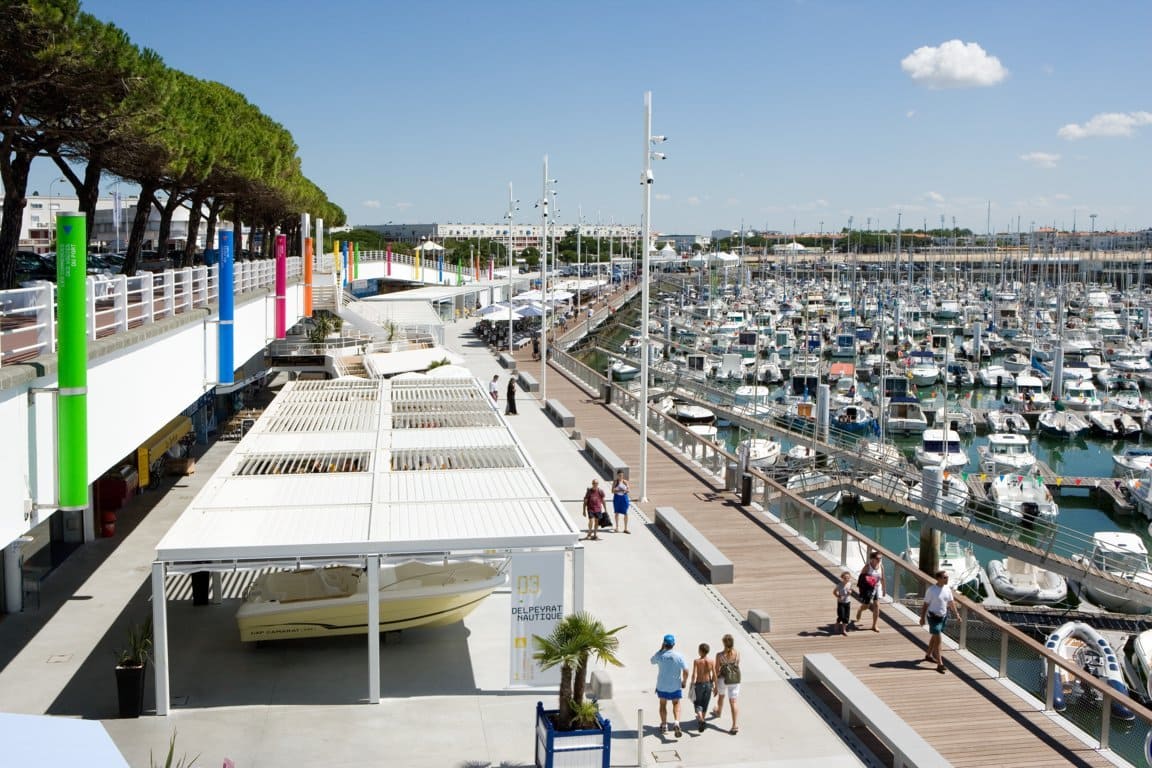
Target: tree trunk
166	212
139	226
14	172
213	216
564	717
580	679
87	190
194	216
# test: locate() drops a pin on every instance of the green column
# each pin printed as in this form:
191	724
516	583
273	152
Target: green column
72	349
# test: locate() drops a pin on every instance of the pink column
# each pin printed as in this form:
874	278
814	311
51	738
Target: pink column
281	285
491	269
389	257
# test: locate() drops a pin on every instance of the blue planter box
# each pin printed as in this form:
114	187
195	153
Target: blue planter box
591	748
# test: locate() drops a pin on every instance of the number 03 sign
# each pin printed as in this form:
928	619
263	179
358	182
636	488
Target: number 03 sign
537	605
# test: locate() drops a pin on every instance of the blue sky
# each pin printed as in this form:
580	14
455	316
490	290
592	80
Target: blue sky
780	115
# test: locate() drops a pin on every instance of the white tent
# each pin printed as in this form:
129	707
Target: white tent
493	309
449	372
387	363
429	246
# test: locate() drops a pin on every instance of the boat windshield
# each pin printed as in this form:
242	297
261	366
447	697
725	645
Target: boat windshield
1121	562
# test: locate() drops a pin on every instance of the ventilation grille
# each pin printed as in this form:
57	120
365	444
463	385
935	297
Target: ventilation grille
305	463
439	396
414	459
486	418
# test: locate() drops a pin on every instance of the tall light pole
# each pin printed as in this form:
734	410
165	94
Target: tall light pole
53	206
645	239
544	281
508	215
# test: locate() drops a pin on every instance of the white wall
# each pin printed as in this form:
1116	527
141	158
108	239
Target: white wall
131	394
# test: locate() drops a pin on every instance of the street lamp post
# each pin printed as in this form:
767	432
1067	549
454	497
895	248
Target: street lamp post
508	215
645	239
544	281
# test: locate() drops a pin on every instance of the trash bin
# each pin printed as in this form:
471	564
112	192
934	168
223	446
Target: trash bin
746	489
606	392
731	472
201	581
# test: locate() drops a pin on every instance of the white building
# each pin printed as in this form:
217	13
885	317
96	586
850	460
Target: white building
523	235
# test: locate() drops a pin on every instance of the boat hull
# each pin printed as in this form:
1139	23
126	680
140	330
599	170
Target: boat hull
424	606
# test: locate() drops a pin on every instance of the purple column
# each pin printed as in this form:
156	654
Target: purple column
281	285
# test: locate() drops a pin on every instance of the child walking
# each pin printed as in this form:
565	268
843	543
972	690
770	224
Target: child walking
703	682
843	594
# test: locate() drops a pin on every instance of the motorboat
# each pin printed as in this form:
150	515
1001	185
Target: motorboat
1023	499
1133	460
762	452
904	415
878	492
1140	491
1081	395
994	375
922	368
959	374
1113	425
856	419
952	497
1006	422
622	371
803	483
1017	362
880	452
318	602
686	413
1022	583
955	559
1006	453
1083	645
957	417
1138	664
1124	556
941	448
1131	401
1062	424
800	456
1027	395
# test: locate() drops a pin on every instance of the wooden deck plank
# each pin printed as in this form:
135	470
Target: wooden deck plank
773	571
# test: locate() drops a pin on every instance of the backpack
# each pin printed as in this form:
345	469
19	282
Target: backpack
730	672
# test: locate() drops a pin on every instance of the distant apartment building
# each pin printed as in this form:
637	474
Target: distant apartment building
523	235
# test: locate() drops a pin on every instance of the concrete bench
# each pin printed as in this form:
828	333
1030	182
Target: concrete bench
507	361
604	458
858	704
701	552
528	382
558	413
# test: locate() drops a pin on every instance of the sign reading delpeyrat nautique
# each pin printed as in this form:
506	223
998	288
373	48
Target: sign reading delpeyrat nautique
537	606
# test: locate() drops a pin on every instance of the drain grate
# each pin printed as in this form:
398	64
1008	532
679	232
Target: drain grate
59	658
666	756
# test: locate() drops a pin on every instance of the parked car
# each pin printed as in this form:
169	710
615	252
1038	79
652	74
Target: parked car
31	266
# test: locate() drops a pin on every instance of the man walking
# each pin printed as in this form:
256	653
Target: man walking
671	679
938	600
593	507
494	388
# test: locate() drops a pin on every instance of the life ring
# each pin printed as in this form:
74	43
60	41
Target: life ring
1109	352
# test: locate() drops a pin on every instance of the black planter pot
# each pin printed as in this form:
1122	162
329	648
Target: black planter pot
130	690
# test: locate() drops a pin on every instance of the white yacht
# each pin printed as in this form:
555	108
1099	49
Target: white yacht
1123	555
904	415
941	448
1006	453
1021	498
877	492
994	375
762	452
1081	395
1028	395
952	497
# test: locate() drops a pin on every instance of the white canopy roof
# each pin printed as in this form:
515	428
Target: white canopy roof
388	363
341	469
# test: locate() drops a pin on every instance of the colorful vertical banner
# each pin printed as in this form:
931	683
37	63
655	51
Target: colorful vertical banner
336	259
225	368
356	261
344	260
491	269
307	277
537	586
388	260
281	309
459	273
440	270
416	268
72	348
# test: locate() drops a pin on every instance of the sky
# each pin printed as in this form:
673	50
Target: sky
787	115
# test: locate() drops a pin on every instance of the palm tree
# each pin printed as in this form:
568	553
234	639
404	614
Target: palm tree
574	641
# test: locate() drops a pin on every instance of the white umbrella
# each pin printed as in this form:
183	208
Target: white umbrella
533	295
492	309
555	296
449	372
504	315
531	310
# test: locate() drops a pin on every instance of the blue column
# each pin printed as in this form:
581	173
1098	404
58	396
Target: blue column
227	305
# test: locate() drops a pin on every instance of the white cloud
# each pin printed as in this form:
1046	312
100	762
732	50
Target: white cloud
910	114
1106	124
935	197
662	196
693	200
1041	159
402	206
371	203
954	64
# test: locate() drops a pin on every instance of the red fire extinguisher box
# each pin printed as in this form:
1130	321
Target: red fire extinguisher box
116	487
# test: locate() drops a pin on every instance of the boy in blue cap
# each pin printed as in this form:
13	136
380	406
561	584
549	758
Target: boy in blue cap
671	679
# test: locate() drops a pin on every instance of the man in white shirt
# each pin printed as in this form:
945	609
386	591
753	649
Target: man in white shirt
938	600
494	388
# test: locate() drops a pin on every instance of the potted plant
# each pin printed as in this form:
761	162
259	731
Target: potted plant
131	664
565	735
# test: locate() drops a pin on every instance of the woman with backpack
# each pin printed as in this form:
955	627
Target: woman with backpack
728	681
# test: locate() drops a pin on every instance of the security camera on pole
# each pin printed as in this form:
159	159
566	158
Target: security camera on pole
645	244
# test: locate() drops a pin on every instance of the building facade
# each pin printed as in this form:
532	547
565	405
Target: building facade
523	235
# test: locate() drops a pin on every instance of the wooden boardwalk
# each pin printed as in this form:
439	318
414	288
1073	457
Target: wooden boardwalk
965	714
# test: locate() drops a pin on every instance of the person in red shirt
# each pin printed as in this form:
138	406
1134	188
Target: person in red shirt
593	507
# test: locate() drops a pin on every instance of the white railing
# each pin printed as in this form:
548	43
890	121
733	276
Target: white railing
116	303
